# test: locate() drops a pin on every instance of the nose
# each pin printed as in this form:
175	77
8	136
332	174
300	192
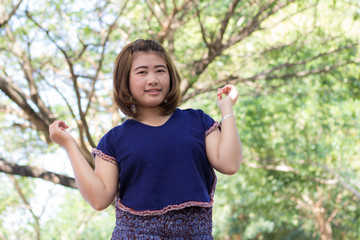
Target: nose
152	79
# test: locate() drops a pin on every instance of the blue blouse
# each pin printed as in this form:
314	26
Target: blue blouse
161	168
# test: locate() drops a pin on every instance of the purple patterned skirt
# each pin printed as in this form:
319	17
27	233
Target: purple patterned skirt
188	223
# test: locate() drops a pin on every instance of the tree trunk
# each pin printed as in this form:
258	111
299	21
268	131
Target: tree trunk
321	220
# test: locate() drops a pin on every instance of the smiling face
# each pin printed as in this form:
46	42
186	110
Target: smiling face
125	63
149	79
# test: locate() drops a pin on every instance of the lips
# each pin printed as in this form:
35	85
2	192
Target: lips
153	90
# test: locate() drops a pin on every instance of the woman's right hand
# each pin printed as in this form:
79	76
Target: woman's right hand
59	134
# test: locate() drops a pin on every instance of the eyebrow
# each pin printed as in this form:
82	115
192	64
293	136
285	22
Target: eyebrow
156	66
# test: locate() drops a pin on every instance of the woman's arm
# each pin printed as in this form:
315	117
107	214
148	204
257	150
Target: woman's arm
223	148
97	187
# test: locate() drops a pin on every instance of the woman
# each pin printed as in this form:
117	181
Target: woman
160	162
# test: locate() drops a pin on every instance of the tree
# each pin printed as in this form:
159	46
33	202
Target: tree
56	62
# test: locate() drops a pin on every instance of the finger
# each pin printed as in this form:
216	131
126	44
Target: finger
219	94
63	125
58	125
234	94
226	89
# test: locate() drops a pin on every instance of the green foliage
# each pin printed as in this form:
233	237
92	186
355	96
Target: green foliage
75	219
297	113
303	125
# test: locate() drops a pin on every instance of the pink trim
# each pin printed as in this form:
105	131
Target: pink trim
212	128
165	209
213	187
171	207
104	156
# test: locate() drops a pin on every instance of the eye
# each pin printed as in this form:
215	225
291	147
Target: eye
161	70
141	72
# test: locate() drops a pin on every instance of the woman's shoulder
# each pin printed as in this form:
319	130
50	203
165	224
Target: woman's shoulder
191	111
195	113
198	115
118	129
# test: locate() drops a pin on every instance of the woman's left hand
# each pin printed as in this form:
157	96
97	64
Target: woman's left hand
231	96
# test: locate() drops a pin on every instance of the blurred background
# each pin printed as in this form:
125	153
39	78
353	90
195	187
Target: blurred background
295	64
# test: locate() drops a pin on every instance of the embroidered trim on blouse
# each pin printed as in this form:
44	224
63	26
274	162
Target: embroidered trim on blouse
212	128
172	207
104	156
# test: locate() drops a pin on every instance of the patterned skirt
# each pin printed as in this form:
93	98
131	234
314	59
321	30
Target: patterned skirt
188	223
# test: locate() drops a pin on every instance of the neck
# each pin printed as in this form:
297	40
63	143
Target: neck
153	117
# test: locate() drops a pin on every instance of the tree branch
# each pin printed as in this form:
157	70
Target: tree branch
5	19
266	75
225	23
82	124
153	11
16	95
343	183
289	169
101	59
264	13
27	204
28	70
204	33
216	46
29	171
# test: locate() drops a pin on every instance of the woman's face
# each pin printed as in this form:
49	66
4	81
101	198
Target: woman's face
149	79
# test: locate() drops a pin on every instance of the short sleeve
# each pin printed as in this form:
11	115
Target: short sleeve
208	122
105	149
